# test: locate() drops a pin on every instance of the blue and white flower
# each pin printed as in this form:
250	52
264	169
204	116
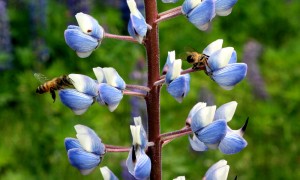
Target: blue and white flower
211	130
138	163
218	171
110	87
199	12
107	174
137	26
224	7
84	84
177	85
86	37
222	66
86	152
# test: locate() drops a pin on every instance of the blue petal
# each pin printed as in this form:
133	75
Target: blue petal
110	96
71	143
230	75
179	87
89	140
84	84
233	58
202	14
213	133
131	30
142	167
232	143
79	41
224	5
97	31
139	24
83	160
75	100
108	174
197	145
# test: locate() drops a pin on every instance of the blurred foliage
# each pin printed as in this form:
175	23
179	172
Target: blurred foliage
33	128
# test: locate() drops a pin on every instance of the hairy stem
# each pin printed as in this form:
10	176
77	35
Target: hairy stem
132	93
169	11
137	87
124	38
169	16
152	99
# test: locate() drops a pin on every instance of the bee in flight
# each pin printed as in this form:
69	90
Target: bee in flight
198	60
52	85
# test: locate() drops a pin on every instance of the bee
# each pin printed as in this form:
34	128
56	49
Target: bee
52	85
197	59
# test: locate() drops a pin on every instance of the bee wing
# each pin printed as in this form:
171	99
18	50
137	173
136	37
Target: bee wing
42	78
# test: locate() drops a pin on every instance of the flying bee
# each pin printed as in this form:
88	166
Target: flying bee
52	85
197	59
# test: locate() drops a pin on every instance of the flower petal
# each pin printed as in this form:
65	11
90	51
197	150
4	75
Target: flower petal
202	118
143	134
189	5
113	78
139	24
107	174
196	108
180	178
142	167
84	84
232	143
80	42
213	133
174	71
83	160
218	171
109	96
197	145
202	14
213	47
233	58
224	7
76	101
219	58
230	75
71	143
89	140
89	25
179	87
133	33
226	111
169	62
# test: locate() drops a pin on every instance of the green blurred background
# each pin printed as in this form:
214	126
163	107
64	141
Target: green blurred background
33	128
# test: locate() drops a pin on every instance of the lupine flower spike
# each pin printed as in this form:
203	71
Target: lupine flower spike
86	37
137	26
177	85
87	151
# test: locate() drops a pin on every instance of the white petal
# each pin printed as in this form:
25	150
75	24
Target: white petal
213	47
220	58
132	7
136	135
226	111
83	54
98	71
84	22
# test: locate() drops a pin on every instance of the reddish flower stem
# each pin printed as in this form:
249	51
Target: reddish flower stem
143	88
169	11
124	38
132	93
170	15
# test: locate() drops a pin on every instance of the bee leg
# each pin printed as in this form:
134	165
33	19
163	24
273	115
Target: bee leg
53	94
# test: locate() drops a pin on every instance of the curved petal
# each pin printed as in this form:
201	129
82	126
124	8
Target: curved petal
133	33
197	145
99	73
224	7
189	5
202	14
89	25
113	78
169	62
213	47
130	161
83	160
143	134
230	75
213	133
180	178
71	143
107	174
110	96
174	71
232	143
142	167
179	87
226	111
76	101
84	84
218	171
89	140
139	24
219	58
202	118
233	58
196	108
80	42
